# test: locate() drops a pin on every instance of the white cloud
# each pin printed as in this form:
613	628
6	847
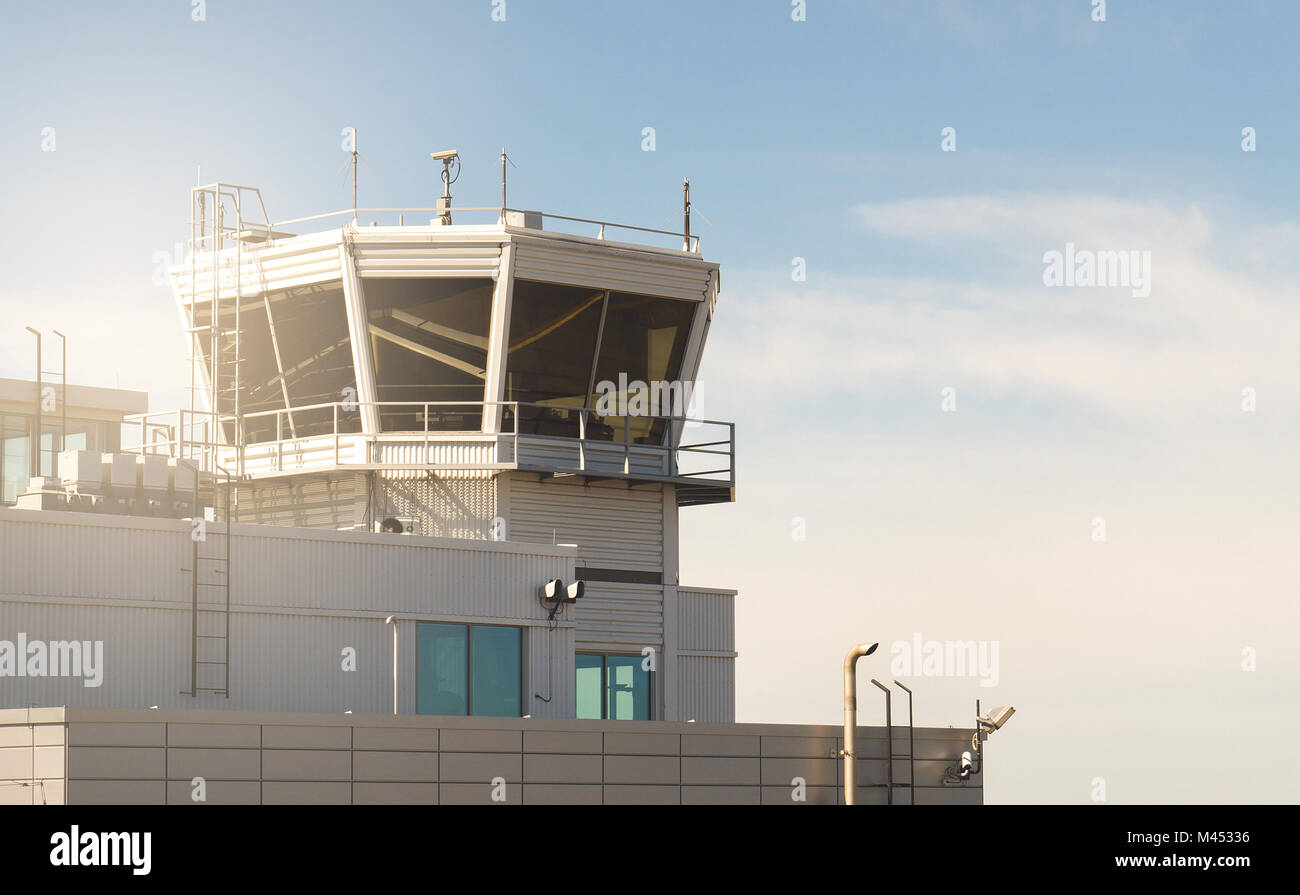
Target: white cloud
977	525
1204	333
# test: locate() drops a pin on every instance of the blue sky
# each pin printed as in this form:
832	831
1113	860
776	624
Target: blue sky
821	140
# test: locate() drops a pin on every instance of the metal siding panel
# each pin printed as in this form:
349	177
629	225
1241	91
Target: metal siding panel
303	501
299	262
617	528
53	569
707	688
446	259
706	620
608	268
620	617
549	658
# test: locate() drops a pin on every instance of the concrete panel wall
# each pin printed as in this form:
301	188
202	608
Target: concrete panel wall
153	757
33	749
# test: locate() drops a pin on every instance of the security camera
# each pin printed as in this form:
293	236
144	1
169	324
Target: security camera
960	772
554	594
996	718
445	155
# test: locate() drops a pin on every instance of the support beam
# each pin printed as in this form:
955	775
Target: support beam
498	333
430	353
362	356
446	332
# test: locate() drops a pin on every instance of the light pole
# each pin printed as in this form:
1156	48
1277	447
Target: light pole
851	714
889	741
911	740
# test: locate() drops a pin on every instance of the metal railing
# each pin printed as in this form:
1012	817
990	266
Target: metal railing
513	435
601	226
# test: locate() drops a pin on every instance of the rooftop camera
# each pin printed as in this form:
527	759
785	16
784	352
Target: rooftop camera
445	156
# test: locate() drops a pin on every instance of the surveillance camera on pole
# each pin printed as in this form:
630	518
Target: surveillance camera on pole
448	157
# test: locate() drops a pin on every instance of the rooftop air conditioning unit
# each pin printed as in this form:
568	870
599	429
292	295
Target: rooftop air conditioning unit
398	525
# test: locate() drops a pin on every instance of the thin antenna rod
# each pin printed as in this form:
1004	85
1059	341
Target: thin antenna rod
503	183
686	215
354	175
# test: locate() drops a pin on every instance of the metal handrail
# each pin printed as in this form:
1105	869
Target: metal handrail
679	234
199	436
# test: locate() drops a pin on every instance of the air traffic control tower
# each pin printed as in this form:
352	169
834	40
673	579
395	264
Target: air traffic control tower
526	378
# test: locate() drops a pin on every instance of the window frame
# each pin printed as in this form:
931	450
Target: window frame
604	685
469	666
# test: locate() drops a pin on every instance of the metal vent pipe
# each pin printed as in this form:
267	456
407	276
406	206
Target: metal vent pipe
851	715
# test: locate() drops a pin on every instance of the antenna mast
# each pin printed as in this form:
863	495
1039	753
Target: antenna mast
686	214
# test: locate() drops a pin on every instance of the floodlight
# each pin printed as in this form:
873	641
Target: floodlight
996	717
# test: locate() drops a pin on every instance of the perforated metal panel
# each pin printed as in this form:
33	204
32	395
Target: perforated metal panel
324	501
451	506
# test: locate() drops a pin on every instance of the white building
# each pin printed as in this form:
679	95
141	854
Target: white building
401	433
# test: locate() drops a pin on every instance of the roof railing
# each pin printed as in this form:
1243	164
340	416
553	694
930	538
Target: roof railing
276	229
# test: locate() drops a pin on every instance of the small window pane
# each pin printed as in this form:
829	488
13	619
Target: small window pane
550	354
430	343
628	690
496	671
442	659
590	686
644	342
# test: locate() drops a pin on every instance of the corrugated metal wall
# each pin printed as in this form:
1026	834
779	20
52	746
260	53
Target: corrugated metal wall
619	269
306	501
299	598
614	526
297	262
395	252
706	688
620	618
706	619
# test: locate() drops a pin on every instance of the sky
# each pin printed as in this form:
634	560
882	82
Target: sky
933	442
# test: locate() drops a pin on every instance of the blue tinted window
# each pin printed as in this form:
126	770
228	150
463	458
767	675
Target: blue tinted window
628	688
442	659
495	673
591	686
613	687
